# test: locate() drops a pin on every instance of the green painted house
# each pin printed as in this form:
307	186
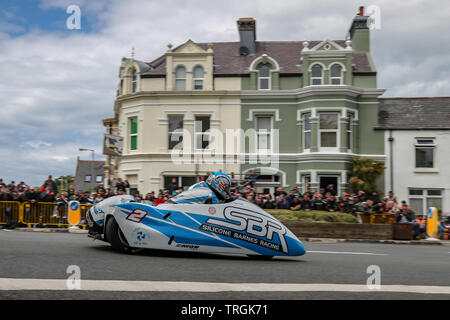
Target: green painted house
321	97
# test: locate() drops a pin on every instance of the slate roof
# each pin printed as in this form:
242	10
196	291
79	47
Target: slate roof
227	60
414	113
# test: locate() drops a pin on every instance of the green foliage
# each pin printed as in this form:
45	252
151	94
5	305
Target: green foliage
312	216
63	182
364	173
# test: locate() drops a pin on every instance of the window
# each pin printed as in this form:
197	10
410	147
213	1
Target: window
425	153
350	118
328	130
133	132
201	132
263	77
316	74
133	80
263	133
174	131
306	131
87	178
181	181
98	179
199	74
180	78
421	199
336	74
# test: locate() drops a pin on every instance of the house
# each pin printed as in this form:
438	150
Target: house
417	135
89	174
293	112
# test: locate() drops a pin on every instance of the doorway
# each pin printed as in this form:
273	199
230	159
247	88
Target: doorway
327	180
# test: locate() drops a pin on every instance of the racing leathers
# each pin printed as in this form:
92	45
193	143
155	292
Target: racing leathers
198	193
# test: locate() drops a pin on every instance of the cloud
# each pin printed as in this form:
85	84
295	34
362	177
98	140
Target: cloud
57	85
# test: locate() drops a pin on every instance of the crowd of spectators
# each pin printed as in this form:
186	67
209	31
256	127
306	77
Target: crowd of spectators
325	199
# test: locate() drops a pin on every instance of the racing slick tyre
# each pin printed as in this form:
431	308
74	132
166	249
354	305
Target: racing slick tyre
116	238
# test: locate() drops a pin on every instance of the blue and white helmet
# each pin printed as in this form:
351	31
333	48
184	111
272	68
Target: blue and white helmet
220	182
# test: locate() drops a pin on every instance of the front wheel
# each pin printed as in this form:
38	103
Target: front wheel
116	237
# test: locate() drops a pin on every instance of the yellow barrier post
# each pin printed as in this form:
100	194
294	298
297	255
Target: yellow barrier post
74	214
432	228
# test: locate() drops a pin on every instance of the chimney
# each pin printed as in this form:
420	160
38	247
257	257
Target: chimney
247	36
359	32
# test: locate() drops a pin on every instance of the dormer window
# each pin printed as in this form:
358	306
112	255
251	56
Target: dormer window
336	74
199	75
316	75
264	77
180	78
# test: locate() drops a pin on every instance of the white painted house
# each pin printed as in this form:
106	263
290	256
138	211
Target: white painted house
417	146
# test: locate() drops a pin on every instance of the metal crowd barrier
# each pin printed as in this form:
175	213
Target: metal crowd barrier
39	213
10	211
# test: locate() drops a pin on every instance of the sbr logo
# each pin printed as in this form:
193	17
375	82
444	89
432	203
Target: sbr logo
253	223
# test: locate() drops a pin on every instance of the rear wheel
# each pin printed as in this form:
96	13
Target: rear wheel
116	237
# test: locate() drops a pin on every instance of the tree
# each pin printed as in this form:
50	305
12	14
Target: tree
63	182
365	172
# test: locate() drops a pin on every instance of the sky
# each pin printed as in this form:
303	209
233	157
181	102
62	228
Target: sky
57	84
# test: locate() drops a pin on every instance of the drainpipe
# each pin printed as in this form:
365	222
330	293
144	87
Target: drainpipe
391	158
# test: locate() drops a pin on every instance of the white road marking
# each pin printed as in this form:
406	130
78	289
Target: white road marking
344	252
181	286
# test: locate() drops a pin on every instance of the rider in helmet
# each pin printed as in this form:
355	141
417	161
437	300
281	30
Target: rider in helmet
216	189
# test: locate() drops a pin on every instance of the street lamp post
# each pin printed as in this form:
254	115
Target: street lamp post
92	166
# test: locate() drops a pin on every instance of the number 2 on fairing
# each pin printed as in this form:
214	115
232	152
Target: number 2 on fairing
137	215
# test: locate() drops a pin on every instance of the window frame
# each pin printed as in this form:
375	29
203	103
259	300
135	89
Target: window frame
202	133
264	132
431	145
202	79
131	134
180	79
134	80
337	130
170	133
341	76
424	197
349	131
311	78
306	131
268	78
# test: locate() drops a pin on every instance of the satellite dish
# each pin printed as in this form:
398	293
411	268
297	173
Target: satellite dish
244	51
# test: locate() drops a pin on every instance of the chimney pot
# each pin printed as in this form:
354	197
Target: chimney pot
361	11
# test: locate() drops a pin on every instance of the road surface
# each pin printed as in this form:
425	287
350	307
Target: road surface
328	271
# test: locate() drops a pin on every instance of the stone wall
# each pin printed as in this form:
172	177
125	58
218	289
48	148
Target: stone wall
341	230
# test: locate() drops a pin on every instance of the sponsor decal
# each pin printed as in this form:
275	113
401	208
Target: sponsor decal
187	246
141	237
212	210
247	225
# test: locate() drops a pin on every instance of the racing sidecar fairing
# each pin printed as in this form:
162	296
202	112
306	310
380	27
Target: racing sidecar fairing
236	227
